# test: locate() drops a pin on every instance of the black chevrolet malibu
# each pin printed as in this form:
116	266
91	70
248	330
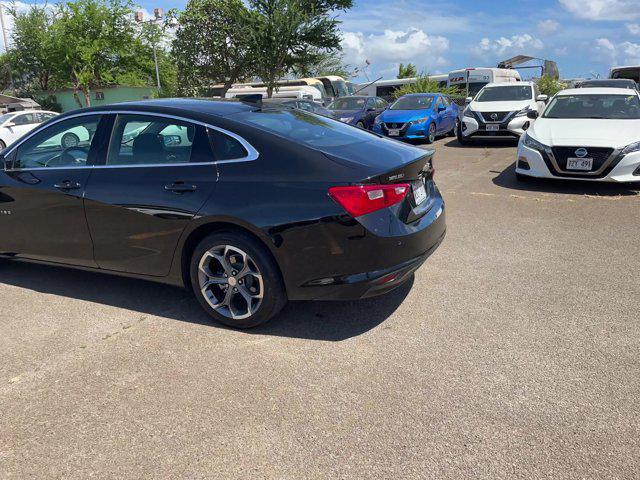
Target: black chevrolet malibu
248	205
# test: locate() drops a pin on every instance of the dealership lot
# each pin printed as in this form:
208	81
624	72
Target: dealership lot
513	354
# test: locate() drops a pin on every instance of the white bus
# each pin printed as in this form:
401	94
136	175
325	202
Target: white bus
298	82
630	72
386	88
297	92
471	80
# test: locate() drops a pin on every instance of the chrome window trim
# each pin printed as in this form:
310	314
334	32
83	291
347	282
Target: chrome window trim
252	153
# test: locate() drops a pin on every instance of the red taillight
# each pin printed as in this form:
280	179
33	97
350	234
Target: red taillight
363	199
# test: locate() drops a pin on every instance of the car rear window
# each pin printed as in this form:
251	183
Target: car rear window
312	130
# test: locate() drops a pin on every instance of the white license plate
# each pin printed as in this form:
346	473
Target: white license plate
419	194
493	128
394	132
579	164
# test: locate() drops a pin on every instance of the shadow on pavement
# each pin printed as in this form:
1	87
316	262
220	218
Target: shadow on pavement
507	179
328	321
491	142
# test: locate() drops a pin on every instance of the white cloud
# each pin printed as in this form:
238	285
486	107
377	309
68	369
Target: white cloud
625	53
548	27
603	9
393	47
505	46
633	28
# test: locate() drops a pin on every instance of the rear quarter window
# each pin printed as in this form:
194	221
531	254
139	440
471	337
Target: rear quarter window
312	130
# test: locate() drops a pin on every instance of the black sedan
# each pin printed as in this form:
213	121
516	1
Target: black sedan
248	205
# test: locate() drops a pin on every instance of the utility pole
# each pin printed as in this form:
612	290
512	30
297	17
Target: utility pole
158	15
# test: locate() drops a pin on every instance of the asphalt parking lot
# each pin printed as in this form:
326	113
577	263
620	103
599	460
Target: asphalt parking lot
512	354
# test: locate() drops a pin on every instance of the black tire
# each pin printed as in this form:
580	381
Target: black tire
431	136
360	125
454	130
460	137
274	296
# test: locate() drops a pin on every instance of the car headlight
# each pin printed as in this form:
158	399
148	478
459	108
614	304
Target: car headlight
634	147
419	120
535	144
524	111
346	119
468	113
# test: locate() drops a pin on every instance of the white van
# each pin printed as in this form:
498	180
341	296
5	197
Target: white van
471	80
298	92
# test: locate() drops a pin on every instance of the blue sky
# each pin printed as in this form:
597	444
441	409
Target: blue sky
585	37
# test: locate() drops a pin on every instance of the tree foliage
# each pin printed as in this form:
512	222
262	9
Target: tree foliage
211	45
83	44
424	85
407	71
328	63
550	86
289	33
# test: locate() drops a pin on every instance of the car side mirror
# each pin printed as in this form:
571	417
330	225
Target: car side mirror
10	124
542	98
532	114
441	108
468	100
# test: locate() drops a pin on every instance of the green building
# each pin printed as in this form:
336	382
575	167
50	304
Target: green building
100	96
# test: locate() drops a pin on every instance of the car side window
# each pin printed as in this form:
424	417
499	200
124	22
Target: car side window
371	103
381	103
63	144
446	101
226	147
24	119
438	103
154	140
305	106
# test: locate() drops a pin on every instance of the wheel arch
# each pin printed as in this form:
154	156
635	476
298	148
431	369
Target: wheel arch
195	236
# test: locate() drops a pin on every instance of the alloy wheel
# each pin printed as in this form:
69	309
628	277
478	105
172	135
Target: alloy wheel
230	282
432	133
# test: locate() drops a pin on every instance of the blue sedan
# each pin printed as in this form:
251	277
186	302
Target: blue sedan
419	116
359	111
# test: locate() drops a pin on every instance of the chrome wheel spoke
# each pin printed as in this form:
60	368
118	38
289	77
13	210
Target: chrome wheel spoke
230	282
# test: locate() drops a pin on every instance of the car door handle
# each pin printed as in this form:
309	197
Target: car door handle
67	185
180	187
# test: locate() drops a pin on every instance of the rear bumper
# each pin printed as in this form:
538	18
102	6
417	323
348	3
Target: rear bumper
370	264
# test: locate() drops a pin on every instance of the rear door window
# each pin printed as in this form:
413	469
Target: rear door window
151	140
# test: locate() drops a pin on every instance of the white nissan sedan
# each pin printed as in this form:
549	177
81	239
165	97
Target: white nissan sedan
584	134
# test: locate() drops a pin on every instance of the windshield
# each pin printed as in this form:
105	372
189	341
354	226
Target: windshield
623	107
5	117
348	103
321	89
307	128
511	93
412	103
340	88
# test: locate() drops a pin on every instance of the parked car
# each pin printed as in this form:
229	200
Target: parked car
501	109
419	116
609	82
359	111
306	105
15	124
584	134
251	207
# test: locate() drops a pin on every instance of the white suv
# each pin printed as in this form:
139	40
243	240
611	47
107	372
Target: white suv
584	134
500	109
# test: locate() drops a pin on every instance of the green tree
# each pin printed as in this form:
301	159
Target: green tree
550	86
407	71
289	33
94	43
32	54
327	63
424	85
211	45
